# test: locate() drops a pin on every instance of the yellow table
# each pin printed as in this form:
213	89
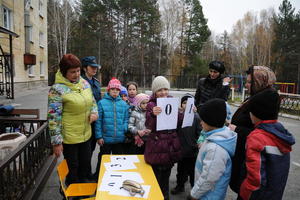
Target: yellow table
144	169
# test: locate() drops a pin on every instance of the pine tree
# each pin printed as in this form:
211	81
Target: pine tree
285	45
198	31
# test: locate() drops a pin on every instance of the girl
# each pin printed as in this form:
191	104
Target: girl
132	89
162	147
136	123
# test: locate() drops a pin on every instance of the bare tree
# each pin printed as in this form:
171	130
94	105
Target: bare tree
61	18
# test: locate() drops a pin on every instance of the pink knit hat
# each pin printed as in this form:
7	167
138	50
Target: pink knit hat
114	83
139	98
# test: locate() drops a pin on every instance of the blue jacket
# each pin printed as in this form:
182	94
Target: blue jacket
113	119
213	164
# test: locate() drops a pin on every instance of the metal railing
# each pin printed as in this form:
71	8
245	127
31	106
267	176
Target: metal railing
24	171
290	103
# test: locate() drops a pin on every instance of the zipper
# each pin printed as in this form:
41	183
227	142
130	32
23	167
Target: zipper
85	117
115	120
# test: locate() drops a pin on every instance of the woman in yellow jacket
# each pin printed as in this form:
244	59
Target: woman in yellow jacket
71	110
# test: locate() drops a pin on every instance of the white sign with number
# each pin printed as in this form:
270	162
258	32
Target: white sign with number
167	119
188	118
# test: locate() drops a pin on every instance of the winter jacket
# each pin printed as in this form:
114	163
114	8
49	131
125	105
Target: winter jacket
188	138
137	121
163	147
211	88
69	108
244	126
213	164
95	86
268	161
113	119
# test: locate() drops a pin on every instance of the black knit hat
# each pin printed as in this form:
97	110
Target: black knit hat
185	97
213	112
265	105
218	66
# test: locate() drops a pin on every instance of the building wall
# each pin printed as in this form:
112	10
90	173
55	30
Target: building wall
38	20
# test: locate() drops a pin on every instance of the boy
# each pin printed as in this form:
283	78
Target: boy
112	122
268	150
188	137
213	164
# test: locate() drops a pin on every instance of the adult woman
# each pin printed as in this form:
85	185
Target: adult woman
214	85
259	78
89	69
71	109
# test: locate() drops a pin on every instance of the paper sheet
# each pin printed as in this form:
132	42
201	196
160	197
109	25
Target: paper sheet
127	158
189	114
119	165
167	119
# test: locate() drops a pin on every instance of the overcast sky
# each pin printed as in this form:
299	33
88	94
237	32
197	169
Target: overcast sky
223	14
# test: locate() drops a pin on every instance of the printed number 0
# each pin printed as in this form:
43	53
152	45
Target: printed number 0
168	109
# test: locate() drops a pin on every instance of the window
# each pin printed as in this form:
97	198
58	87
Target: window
7	18
31	70
42	69
30	34
41	8
41	39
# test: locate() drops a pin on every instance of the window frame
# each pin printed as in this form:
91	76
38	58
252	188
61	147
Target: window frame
9	18
30	71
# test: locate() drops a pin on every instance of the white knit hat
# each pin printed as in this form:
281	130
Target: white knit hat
160	82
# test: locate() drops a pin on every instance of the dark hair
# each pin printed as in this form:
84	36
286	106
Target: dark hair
67	62
132	83
218	66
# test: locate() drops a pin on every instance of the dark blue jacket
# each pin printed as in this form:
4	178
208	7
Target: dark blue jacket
95	86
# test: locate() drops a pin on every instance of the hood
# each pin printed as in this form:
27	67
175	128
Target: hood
59	78
223	137
275	128
107	96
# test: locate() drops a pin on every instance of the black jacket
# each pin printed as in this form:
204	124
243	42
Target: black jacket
211	88
241	119
188	138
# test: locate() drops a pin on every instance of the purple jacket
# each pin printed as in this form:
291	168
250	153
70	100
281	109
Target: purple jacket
162	147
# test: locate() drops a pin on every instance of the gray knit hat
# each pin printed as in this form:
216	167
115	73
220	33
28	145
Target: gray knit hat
160	82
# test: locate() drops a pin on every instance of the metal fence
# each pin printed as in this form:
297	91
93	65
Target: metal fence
290	103
176	81
25	170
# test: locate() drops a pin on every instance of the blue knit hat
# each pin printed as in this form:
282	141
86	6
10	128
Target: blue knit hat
123	91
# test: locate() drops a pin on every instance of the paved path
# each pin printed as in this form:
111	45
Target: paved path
37	98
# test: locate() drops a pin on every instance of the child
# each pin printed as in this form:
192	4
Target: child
268	150
163	147
188	137
213	164
136	123
112	122
124	94
132	89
